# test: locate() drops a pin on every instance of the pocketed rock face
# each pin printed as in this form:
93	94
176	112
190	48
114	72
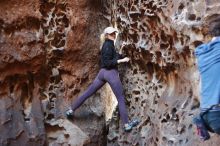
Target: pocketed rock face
162	81
48	55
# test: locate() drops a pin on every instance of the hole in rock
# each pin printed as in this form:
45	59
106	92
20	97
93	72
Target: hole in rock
163	121
50	117
136	99
164	139
197	43
167	116
174	110
198	18
52	129
27	119
192	17
25	97
134	16
170	142
66	136
164	46
181	7
76	91
135	71
136	92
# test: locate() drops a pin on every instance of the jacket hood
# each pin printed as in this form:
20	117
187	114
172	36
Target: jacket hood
208	54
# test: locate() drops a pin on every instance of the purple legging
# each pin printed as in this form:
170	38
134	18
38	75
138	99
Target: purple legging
112	77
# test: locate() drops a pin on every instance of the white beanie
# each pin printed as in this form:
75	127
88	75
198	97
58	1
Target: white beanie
109	30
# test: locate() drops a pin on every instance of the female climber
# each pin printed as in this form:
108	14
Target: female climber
108	73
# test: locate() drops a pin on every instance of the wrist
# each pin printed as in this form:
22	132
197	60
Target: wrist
119	61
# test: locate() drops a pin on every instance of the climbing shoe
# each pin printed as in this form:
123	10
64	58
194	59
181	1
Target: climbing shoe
202	131
128	127
69	114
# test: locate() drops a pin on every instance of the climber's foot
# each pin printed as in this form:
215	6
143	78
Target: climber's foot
69	114
128	127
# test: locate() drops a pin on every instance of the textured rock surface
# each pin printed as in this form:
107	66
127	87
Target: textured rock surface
46	59
48	56
162	81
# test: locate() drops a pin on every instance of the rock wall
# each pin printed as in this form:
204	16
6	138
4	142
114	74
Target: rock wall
48	55
162	81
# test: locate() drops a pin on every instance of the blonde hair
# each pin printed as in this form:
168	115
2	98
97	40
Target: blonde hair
103	37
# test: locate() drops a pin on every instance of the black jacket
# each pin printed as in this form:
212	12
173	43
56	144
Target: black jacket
109	56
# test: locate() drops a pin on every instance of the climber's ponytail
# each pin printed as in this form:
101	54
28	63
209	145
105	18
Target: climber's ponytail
102	39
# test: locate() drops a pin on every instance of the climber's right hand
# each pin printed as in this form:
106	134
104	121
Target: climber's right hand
126	59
